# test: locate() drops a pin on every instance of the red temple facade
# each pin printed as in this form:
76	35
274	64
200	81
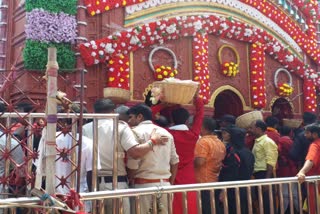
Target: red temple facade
245	54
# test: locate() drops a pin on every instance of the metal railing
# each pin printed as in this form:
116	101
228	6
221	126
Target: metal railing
119	194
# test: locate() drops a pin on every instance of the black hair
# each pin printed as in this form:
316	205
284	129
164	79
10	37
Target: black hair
104	106
261	124
180	116
313	128
162	121
309	118
237	137
285	130
24	107
142	109
2	107
209	124
271	121
228	118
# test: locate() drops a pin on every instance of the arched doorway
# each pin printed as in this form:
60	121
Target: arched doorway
227	102
282	108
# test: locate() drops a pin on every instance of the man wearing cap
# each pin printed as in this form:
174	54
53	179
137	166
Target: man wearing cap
227	120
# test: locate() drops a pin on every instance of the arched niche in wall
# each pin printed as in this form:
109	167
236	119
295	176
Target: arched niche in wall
227	100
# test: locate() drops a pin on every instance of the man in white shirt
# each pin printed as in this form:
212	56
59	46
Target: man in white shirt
156	168
15	159
127	145
65	147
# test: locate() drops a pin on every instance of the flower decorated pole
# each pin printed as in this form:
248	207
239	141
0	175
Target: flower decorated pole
310	96
51	112
200	64
257	75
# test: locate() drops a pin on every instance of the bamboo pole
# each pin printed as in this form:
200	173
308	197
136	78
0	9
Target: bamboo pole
51	112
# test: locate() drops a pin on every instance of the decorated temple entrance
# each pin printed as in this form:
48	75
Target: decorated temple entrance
227	102
282	108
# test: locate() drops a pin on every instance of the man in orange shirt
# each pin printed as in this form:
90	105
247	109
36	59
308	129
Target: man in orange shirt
312	164
209	154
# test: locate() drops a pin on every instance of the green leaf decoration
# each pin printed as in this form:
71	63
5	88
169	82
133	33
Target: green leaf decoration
35	55
54	6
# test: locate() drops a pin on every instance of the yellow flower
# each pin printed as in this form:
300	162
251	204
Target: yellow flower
165	73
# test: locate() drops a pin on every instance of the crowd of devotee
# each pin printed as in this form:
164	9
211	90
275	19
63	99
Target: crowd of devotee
164	145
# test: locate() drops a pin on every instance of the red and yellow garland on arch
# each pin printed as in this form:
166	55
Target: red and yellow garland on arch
229	69
99	6
257	75
122	43
310	96
200	64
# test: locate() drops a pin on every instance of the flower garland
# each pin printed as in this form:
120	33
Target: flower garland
230	69
257	75
50	23
35	55
118	75
310	96
148	34
284	89
98	6
50	27
200	66
308	42
162	72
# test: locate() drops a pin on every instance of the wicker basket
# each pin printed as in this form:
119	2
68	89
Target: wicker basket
117	95
245	120
177	92
292	123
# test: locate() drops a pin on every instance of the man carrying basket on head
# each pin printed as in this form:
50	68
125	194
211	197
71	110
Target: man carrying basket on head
185	140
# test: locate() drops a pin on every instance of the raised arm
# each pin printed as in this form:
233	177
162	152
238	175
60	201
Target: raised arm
197	122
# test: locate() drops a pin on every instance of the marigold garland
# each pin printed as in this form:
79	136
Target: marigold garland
162	72
123	42
284	89
257	75
310	96
200	46
118	75
230	69
99	6
306	40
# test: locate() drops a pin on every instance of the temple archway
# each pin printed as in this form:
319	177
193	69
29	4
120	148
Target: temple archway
282	108
227	102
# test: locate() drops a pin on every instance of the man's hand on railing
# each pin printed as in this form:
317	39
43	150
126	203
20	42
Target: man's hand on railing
301	177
